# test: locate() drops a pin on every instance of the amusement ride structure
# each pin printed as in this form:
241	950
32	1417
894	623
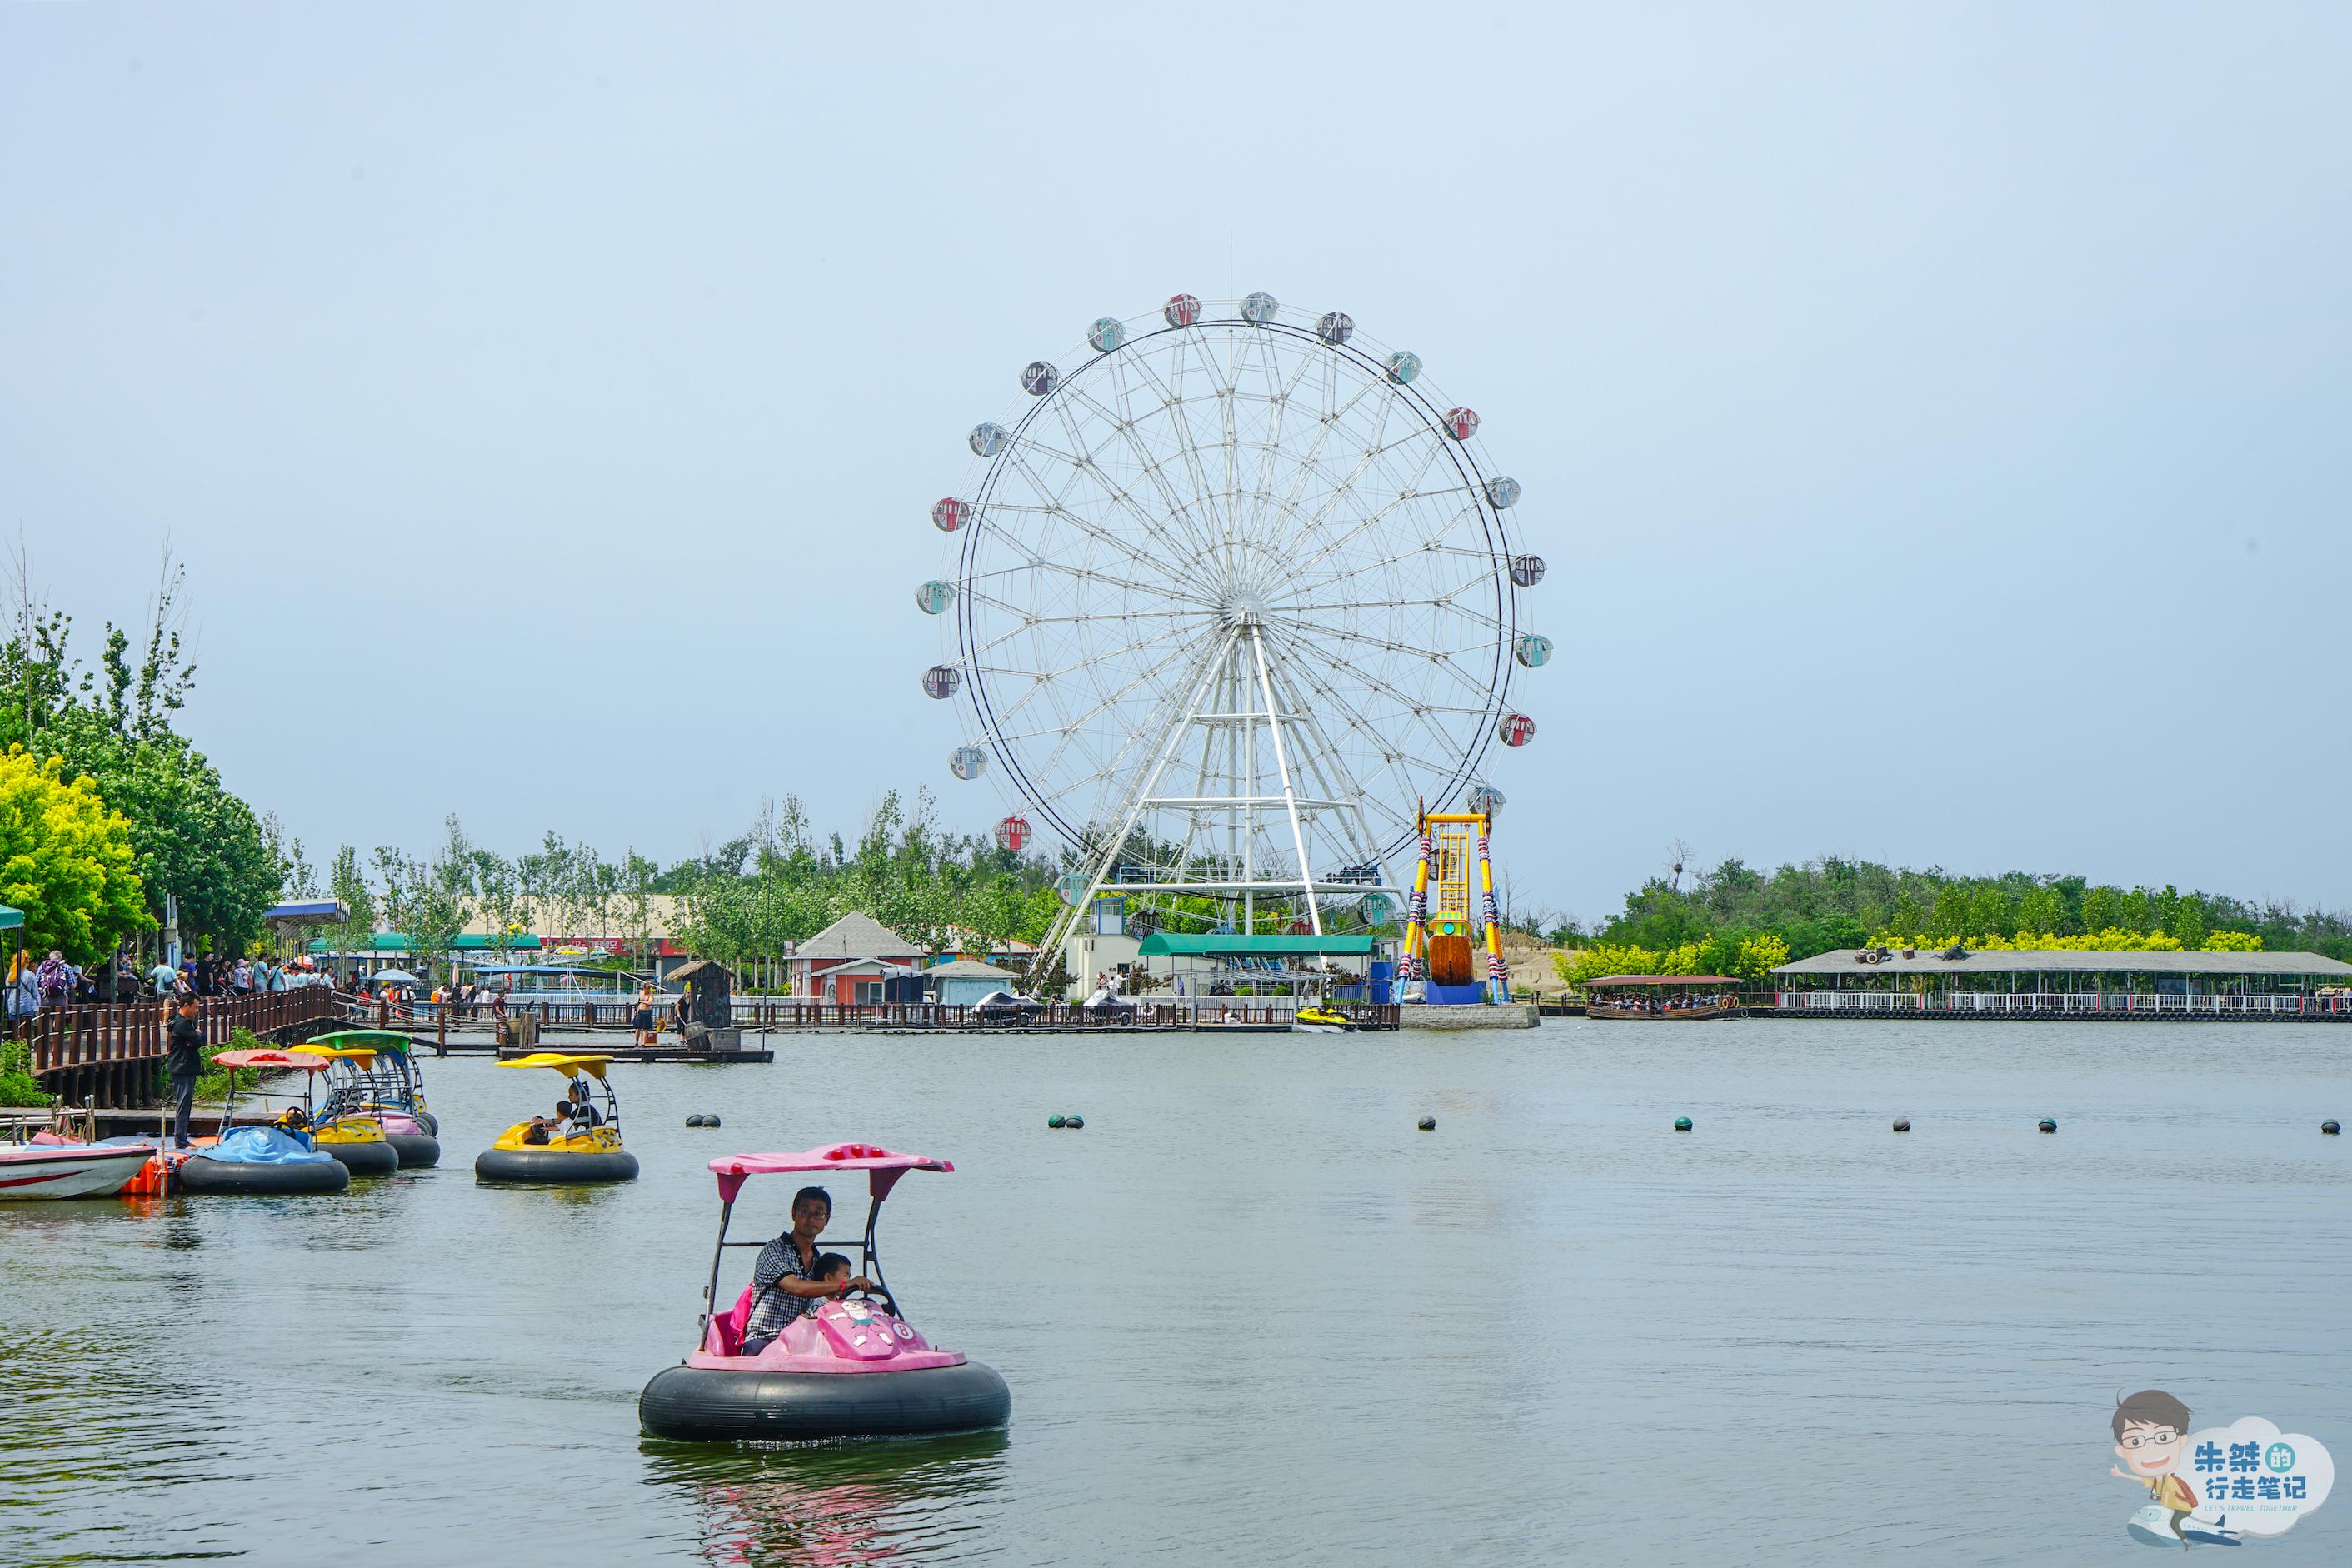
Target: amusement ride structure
1233	594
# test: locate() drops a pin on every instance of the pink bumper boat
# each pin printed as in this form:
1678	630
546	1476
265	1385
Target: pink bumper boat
846	1368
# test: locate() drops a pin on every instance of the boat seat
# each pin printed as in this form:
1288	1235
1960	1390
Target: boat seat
726	1337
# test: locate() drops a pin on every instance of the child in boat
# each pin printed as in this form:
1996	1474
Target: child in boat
832	1269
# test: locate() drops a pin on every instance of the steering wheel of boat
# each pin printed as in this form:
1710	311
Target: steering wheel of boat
879	1297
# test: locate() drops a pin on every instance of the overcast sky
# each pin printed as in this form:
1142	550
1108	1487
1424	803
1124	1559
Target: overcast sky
1935	415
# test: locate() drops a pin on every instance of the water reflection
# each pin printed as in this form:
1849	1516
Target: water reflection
834	1505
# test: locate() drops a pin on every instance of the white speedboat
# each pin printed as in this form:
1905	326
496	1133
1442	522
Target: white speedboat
61	1170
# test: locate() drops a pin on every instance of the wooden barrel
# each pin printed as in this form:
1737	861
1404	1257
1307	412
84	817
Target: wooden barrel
1451	960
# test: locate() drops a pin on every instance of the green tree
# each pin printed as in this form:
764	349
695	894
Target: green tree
65	860
348	882
1988	909
192	839
2040	910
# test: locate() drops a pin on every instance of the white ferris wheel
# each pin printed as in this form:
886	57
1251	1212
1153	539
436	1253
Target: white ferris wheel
1234	596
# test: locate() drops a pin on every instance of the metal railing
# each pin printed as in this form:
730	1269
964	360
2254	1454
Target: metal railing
2088	1003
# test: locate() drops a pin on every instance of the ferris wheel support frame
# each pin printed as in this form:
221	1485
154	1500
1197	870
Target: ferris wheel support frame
1241	807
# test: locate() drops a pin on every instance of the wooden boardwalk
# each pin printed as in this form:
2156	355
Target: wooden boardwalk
115	1051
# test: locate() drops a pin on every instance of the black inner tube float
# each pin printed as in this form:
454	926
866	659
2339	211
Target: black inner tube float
374	1159
555	1167
199	1173
702	1404
418	1150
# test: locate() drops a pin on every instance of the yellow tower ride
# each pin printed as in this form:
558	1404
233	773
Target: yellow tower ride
1439	943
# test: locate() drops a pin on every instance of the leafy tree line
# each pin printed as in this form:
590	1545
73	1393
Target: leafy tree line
1836	903
561	887
111	722
743	903
778	884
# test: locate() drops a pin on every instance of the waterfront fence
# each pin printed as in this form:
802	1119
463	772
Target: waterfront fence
2085	1004
81	1050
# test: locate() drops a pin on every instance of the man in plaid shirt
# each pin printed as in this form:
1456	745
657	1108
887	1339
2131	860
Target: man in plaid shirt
783	1281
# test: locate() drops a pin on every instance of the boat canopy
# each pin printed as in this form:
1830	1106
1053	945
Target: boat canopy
1170	944
886	1166
362	1056
390	1040
10	919
273	1059
1664	980
555	1060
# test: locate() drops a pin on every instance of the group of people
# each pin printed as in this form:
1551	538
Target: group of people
35	986
1677	1002
575	1114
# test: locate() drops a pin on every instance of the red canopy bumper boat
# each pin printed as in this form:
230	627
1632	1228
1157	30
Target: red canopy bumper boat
846	1368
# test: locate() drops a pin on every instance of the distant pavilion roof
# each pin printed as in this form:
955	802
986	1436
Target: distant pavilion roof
464	942
857	935
967	969
2032	960
309	912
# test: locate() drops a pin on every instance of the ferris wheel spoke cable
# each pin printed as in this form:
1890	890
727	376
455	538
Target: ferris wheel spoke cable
1271	447
1069	729
1395	698
1434	657
1394	761
1411	553
1082	524
1090	462
1148	466
1029	625
1194	542
1203	487
1374	518
1077	574
1324	761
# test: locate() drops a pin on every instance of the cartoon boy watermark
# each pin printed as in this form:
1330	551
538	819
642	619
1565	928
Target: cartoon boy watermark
2151	1429
2215	1485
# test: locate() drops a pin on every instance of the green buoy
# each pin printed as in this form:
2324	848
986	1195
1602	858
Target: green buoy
1056	1121
2329	1127
696	1121
2047	1125
1427	1125
1903	1125
1682	1124
1073	1123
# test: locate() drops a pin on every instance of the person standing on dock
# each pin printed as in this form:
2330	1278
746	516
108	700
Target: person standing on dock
186	1062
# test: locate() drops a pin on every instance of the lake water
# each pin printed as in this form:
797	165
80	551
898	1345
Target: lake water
1250	1314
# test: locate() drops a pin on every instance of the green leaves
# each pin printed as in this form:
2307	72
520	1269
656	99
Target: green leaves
65	860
